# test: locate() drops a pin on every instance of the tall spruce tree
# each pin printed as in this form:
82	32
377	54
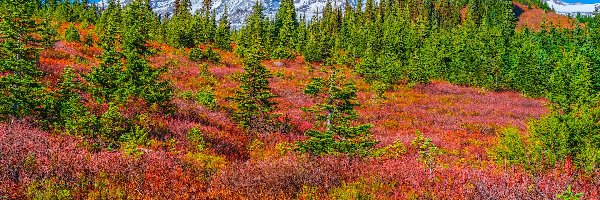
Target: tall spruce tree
104	81
223	32
20	88
254	98
254	34
335	110
286	24
140	79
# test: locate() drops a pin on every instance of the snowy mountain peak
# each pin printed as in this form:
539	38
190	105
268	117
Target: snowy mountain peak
239	9
573	8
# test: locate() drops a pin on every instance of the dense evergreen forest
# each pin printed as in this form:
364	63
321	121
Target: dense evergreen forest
120	100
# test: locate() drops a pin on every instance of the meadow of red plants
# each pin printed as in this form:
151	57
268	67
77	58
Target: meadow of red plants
463	122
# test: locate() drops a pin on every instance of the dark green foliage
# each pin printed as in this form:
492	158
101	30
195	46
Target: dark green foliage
196	54
104	80
570	131
335	110
48	33
69	11
66	110
88	40
574	135
285	28
188	30
571	83
254	98
223	32
282	52
110	17
111	124
20	90
569	195
255	38
179	31
72	34
125	77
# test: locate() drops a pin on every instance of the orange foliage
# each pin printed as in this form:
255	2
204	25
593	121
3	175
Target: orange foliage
534	18
462	121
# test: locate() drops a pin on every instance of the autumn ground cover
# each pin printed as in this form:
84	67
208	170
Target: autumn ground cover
534	18
227	164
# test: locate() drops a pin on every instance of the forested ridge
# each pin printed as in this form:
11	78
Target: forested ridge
404	99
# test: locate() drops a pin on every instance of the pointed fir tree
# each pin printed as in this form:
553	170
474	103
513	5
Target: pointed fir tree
104	81
67	112
72	34
139	78
254	98
20	88
335	110
255	34
110	16
48	33
286	22
223	32
180	27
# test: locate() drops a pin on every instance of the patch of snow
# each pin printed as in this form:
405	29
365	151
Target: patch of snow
240	9
573	8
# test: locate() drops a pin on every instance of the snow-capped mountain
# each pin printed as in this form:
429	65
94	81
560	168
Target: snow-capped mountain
573	8
239	9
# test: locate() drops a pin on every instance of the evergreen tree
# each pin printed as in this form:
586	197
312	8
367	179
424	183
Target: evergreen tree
571	83
182	7
254	98
138	19
20	89
180	28
105	80
301	36
286	24
139	78
48	33
67	111
255	35
110	16
337	100
223	32
72	34
313	51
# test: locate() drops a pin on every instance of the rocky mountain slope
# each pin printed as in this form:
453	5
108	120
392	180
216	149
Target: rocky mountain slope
573	8
239	9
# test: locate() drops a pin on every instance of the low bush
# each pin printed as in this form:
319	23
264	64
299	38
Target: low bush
554	139
195	138
428	152
197	54
281	52
72	34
